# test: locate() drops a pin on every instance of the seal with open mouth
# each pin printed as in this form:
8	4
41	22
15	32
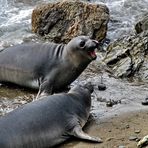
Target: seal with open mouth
47	66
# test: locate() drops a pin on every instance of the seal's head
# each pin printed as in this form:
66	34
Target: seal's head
86	89
82	47
89	87
82	93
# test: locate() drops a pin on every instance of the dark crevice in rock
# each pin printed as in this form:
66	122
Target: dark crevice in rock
49	21
118	58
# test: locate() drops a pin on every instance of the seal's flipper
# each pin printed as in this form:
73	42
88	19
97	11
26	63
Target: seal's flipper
77	132
40	95
44	90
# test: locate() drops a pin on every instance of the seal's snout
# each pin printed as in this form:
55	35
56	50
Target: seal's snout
89	86
96	43
104	43
93	45
100	47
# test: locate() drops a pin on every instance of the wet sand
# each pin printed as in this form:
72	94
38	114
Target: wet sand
115	131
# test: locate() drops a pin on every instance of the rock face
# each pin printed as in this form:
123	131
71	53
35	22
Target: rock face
128	57
142	25
61	21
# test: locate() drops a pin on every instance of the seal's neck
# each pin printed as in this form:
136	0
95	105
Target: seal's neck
75	58
58	52
84	98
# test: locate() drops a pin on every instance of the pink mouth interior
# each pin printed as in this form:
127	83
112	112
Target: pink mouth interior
93	54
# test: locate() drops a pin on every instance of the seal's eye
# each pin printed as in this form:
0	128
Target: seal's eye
82	43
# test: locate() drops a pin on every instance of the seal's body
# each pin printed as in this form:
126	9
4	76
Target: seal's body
49	66
48	122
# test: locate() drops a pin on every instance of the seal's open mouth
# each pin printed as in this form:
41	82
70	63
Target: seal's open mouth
92	53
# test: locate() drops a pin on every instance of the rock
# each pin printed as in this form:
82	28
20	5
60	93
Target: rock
137	131
128	57
101	86
145	102
112	102
127	126
121	146
142	25
100	99
110	138
143	142
109	104
138	139
61	21
133	138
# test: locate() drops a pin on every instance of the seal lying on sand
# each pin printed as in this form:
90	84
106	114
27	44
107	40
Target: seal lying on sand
48	122
49	66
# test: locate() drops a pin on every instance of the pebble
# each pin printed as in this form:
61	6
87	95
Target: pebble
101	87
137	131
109	104
138	139
100	99
145	102
133	138
110	138
127	126
121	146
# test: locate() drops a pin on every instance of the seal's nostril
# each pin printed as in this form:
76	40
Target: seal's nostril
96	43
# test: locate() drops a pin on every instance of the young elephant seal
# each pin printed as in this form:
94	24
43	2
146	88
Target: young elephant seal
49	121
47	66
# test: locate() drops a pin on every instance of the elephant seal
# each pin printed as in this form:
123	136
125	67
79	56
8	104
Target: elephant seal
49	121
47	66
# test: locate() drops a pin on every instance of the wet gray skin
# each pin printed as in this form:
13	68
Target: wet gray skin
47	66
49	121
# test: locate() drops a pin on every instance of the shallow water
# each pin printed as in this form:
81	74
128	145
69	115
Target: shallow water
124	14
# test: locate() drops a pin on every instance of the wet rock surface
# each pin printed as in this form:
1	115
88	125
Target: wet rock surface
128	57
61	21
142	25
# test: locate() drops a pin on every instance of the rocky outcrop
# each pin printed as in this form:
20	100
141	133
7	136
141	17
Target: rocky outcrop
61	21
142	25
128	57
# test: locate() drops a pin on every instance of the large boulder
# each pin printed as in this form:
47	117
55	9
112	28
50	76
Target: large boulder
61	21
128	57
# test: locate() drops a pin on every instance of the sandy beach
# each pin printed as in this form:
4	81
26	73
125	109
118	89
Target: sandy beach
122	131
